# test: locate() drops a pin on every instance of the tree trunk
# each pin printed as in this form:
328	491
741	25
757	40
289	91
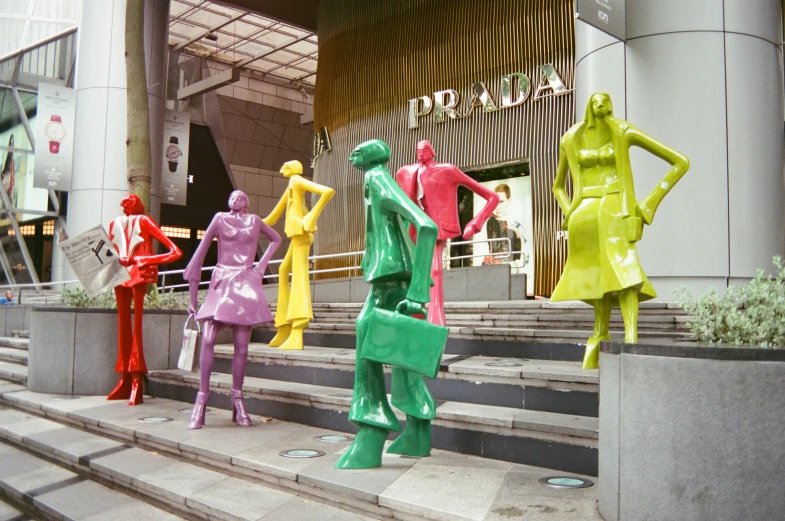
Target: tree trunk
138	144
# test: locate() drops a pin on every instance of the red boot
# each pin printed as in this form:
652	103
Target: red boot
123	389
137	389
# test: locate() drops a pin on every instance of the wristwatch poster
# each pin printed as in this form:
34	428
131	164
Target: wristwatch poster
55	133
173	153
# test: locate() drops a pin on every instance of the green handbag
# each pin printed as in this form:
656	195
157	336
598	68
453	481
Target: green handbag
402	341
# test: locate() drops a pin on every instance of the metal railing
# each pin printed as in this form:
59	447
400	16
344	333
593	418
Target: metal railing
41	297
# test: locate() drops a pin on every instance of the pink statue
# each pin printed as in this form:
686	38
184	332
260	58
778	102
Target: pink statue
234	298
434	187
132	235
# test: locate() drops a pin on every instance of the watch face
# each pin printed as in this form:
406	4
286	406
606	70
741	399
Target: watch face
173	152
55	131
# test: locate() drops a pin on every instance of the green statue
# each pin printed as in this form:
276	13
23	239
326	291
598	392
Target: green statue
400	286
604	220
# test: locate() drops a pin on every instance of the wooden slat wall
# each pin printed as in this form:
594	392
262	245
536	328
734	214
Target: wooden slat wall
374	56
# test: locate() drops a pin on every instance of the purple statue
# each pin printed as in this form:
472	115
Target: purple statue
235	296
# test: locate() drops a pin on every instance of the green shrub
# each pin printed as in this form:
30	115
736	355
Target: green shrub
744	315
77	297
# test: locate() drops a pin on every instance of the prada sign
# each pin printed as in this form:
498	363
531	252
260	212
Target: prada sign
515	89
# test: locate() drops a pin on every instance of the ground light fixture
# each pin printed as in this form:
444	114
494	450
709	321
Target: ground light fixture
334	438
155	419
301	453
64	397
565	482
504	363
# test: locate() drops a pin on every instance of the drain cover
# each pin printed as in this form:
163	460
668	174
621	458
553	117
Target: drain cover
189	410
64	397
155	419
566	482
301	453
334	438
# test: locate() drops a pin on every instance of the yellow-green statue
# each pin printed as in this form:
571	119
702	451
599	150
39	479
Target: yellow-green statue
604	220
386	334
294	304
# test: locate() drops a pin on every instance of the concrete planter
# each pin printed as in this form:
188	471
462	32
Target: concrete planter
74	350
691	433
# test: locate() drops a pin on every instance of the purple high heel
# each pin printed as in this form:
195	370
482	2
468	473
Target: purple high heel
197	416
239	414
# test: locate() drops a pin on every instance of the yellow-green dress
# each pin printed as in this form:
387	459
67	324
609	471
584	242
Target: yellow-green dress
601	259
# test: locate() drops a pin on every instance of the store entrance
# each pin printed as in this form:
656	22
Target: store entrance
512	220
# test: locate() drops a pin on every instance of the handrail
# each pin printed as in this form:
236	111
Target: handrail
34	46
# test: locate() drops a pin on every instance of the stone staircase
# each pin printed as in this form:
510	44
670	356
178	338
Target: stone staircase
13	358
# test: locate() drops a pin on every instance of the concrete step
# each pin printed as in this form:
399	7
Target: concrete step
185	488
540	385
21	333
14	342
13	372
52	492
9	513
14	356
562	442
444	486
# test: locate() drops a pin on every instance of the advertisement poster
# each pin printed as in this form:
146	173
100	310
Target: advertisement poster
54	137
174	169
94	260
17	173
512	219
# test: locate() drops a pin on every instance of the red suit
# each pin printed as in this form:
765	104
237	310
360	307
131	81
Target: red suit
434	187
132	235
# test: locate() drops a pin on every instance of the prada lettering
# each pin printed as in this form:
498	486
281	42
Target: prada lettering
516	88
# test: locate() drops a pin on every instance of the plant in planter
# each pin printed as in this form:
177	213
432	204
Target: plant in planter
743	315
166	300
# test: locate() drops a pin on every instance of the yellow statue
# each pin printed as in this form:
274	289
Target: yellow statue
604	220
294	304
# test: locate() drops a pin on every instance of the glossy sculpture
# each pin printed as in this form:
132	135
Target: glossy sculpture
604	220
399	282
294	303
132	235
234	299
434	187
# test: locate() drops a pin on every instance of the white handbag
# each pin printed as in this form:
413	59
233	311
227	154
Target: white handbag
189	352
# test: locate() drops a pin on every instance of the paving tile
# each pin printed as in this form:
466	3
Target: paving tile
303	510
561	371
18	430
475	413
79	449
177	480
265	458
47	440
364	484
444	492
237	499
477	365
581	426
80	500
124	466
134	511
11	416
9	513
45	474
522	496
10	387
225	440
14	461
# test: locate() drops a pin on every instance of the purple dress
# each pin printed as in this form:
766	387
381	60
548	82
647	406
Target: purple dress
235	294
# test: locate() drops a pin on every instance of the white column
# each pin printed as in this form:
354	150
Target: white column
704	78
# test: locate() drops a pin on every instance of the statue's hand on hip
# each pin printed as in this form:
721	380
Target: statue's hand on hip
410	307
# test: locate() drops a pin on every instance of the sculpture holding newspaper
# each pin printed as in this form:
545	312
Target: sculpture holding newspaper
434	188
604	220
234	299
132	236
400	286
294	312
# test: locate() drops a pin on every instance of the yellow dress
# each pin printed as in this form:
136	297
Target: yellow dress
601	258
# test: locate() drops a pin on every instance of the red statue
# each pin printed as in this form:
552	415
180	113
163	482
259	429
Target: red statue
132	235
434	187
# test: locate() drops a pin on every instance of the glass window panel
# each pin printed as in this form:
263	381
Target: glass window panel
58	9
11	33
42	29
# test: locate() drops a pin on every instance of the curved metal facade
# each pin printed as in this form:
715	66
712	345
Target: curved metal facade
375	56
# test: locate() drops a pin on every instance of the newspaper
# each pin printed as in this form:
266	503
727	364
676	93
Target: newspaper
94	260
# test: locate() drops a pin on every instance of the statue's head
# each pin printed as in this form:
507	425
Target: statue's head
238	201
599	107
370	153
132	205
291	168
425	151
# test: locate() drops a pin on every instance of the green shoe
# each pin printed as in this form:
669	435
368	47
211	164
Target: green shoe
365	451
415	439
